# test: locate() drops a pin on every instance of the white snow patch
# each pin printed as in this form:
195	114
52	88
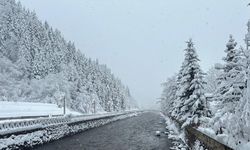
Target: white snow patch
22	109
176	134
158	133
245	146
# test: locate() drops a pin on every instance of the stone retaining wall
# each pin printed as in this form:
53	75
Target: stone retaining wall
210	143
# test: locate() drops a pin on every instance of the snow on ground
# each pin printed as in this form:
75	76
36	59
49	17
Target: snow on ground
245	146
218	120
175	134
15	120
226	139
18	109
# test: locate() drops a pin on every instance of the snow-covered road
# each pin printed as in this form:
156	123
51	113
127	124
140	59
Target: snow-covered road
134	133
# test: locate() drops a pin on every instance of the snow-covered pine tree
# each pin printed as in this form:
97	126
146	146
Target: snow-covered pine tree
168	96
231	82
190	95
238	124
176	110
211	79
229	95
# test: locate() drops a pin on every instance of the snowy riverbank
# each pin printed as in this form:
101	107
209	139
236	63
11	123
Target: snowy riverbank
58	131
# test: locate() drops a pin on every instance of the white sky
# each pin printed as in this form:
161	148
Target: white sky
142	41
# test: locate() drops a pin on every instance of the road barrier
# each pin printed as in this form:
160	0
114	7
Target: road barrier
192	134
31	133
210	143
15	127
20	127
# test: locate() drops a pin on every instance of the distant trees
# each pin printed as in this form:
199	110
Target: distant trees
169	97
52	66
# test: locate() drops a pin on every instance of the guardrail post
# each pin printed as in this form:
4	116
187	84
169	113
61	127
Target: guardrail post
94	107
64	105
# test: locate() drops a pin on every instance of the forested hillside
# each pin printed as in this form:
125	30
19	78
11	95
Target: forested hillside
38	65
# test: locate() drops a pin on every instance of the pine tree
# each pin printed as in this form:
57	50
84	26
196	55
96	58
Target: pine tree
239	124
168	96
211	79
231	82
191	100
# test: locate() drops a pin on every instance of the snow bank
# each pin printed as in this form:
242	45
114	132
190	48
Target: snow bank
226	139
245	146
22	109
176	134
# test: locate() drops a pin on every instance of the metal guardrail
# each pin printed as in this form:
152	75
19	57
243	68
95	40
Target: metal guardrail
208	141
193	134
18	127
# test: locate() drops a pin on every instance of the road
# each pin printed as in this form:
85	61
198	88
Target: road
136	133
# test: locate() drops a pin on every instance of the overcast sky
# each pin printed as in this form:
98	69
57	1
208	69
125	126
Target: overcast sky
142	41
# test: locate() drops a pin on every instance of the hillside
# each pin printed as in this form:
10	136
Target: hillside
38	65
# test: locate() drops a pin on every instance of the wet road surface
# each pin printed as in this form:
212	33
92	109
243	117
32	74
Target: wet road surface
136	133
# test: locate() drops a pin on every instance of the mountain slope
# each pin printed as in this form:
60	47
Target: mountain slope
38	65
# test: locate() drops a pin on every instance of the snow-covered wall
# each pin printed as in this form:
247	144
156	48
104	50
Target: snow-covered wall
210	143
